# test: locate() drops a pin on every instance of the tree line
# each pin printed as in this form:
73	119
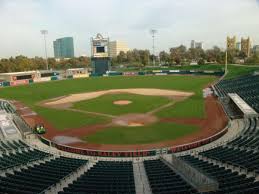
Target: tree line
182	56
176	56
22	63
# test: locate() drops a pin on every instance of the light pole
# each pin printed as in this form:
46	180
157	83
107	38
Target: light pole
153	32
226	62
44	33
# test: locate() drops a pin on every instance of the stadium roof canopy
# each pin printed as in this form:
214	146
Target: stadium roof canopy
242	105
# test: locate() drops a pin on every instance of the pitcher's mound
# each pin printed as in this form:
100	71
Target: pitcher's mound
134	120
122	102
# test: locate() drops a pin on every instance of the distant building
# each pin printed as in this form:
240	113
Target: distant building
246	46
64	47
193	44
231	43
256	49
116	47
197	45
238	46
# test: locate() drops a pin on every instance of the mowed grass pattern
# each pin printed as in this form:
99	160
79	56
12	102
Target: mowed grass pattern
34	93
140	104
157	132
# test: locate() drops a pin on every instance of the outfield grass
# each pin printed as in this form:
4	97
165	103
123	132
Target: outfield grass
235	71
191	108
104	104
34	93
157	132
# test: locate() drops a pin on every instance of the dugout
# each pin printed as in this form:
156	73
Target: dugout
238	108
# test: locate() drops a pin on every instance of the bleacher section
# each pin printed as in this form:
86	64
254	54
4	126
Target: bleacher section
105	177
229	182
12	145
247	87
6	106
162	179
39	177
10	160
243	151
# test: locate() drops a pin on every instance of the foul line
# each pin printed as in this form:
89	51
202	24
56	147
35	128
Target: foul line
93	113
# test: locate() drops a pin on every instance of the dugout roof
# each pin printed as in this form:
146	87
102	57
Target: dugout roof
242	105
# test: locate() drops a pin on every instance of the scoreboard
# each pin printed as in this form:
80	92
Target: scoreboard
100	46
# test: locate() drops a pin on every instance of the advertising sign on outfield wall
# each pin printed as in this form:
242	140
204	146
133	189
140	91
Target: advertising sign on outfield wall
130	73
19	82
42	79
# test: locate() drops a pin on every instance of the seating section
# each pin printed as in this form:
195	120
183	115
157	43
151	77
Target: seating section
6	106
12	145
242	151
247	87
163	179
105	177
20	158
236	157
229	182
39	177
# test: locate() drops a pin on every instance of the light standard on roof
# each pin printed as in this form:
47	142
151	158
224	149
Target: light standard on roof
44	33
153	32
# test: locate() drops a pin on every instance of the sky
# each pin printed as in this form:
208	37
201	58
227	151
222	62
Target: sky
177	22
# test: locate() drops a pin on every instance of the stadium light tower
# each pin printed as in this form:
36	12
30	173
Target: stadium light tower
153	33
44	33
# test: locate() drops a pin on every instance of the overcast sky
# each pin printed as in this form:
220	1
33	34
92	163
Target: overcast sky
177	22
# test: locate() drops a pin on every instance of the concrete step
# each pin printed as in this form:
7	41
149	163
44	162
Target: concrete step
141	180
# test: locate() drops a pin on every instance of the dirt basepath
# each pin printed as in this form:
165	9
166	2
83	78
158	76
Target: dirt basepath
68	100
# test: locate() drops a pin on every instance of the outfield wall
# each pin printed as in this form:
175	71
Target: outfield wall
112	73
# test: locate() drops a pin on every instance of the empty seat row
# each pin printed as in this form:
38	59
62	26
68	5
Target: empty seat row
229	182
105	177
38	178
163	180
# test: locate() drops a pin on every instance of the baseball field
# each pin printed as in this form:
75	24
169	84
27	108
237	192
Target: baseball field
116	110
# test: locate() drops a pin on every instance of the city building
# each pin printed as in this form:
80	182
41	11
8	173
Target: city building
238	46
193	44
64	47
256	49
231	43
116	47
197	45
246	46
